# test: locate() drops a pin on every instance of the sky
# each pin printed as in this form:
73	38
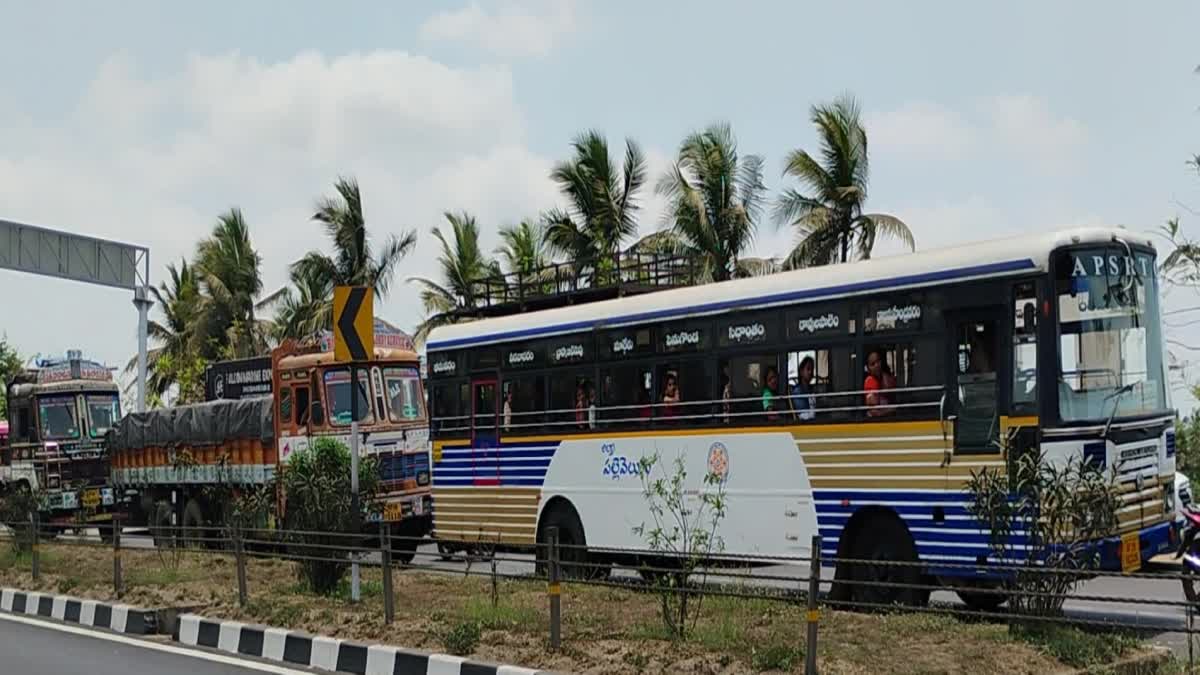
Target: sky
141	121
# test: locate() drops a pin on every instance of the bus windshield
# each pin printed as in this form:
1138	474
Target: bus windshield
1110	351
403	394
337	395
103	412
57	416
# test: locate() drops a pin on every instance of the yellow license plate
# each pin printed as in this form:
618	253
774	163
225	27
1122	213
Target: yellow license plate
392	511
1131	552
91	499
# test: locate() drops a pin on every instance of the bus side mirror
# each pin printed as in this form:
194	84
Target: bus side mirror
317	415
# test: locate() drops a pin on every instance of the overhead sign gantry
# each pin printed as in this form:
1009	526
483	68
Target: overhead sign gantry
54	253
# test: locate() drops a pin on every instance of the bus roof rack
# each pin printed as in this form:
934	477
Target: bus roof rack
570	283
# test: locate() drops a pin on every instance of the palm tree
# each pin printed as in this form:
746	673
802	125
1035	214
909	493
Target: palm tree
603	202
304	309
523	249
353	263
463	265
715	198
829	217
228	268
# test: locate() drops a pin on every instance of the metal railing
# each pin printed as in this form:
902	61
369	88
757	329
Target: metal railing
814	582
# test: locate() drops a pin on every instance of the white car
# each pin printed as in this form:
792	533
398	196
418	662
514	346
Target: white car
1183	494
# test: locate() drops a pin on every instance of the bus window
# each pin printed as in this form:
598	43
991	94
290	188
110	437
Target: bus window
523	404
626	394
1024	391
572	401
449	413
684	392
888	370
743	379
810	380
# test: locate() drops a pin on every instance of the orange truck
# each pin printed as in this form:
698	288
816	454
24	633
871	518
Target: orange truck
166	461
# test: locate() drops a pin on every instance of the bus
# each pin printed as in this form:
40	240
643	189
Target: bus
851	401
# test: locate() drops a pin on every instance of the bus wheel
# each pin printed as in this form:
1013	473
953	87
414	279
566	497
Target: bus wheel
404	550
881	582
572	552
988	598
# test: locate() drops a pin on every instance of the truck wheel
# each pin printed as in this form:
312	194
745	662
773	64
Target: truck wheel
404	550
193	535
160	525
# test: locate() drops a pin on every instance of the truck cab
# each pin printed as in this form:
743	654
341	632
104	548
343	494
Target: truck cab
61	410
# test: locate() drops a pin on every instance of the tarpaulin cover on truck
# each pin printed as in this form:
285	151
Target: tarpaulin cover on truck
212	423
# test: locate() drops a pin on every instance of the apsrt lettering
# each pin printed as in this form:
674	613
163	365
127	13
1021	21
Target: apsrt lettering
520	357
444	367
894	315
1113	265
622	346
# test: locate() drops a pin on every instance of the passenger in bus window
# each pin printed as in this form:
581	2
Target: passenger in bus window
770	394
670	397
508	411
590	396
802	395
878	385
726	392
645	405
580	403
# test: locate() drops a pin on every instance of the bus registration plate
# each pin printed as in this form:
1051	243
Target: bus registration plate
393	511
1131	552
91	499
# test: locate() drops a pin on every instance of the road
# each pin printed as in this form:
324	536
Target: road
33	647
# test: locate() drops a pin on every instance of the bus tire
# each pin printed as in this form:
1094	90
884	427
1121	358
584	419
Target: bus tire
575	563
987	599
404	550
884	538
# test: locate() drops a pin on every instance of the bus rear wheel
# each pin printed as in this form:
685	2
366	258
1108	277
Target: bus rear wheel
573	557
886	576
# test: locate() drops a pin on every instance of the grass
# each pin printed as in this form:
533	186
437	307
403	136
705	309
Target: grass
605	630
1076	647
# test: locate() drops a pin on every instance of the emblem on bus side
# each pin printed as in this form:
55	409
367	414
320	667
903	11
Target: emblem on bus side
718	461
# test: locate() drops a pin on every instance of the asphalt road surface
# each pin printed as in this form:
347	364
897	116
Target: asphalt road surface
32	647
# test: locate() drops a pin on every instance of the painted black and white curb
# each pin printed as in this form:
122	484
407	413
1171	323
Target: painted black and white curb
118	618
276	644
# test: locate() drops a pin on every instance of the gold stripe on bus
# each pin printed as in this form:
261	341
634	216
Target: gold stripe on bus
902	482
494	538
1007	422
479	505
476	529
852	429
931	469
865	460
473	491
529	519
830	445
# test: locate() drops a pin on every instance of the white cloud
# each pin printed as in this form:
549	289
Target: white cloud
510	29
1018	127
153	161
921	129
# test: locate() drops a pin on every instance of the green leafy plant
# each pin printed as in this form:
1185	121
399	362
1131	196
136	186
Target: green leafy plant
775	657
462	638
18	504
316	484
683	533
1043	516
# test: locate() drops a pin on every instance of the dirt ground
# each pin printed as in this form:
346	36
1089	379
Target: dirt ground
605	630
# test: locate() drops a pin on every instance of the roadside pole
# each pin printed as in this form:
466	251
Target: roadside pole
354	506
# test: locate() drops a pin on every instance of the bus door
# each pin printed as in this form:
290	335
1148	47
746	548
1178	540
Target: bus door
972	399
485	431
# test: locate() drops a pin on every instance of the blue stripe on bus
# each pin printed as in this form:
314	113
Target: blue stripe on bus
504	482
506	454
788	296
471	461
484	472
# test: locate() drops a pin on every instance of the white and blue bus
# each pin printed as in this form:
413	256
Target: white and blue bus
852	401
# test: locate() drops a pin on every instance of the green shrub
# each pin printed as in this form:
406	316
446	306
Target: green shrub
1075	647
462	639
775	657
316	483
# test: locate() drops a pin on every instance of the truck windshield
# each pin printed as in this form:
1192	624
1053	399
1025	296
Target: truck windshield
57	417
337	395
1110	333
103	412
403	394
